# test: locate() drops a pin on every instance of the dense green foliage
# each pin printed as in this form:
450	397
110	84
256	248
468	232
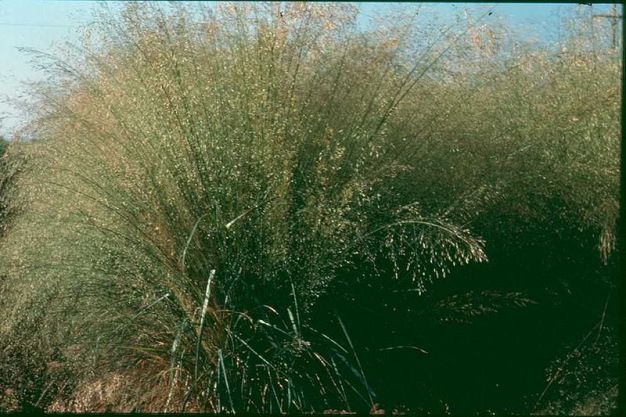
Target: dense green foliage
199	193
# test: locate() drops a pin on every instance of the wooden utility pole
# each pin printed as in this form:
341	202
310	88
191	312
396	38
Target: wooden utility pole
613	16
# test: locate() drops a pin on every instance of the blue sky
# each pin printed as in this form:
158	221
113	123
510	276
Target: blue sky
42	24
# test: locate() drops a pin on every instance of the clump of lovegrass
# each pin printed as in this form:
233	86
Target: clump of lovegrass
201	176
259	145
529	153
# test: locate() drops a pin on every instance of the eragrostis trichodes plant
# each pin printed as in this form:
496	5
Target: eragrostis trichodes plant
202	176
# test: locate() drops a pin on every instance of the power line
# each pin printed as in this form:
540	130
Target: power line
45	25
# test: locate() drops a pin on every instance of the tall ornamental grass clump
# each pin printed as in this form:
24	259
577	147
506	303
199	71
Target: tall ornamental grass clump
525	151
200	177
203	181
